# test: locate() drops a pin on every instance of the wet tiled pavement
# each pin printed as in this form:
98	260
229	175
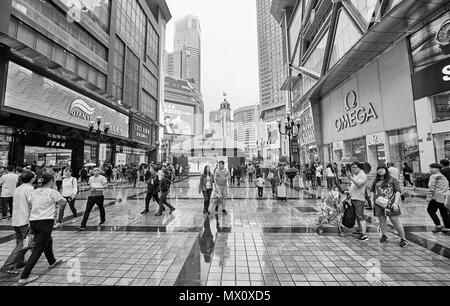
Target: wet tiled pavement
260	242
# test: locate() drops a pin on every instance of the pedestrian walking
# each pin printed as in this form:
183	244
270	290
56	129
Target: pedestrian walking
8	182
386	194
319	170
152	191
206	187
393	171
437	191
42	218
165	190
331	177
59	179
358	187
69	192
233	174
20	220
407	171
97	184
445	168
260	185
221	177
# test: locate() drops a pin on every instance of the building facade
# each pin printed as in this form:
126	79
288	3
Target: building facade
353	79
187	44
246	126
66	65
272	73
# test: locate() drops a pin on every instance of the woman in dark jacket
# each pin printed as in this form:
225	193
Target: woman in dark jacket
206	187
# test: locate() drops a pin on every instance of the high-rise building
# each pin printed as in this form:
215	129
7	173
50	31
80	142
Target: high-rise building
272	74
272	71
246	123
177	64
187	39
70	67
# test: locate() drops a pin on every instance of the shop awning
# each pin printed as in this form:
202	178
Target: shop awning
406	18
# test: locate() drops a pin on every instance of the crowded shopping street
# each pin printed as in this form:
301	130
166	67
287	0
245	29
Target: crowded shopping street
260	241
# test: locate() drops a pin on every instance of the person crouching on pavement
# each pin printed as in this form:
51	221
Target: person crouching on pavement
152	190
165	189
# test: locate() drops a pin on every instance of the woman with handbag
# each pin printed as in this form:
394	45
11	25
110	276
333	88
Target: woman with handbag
42	219
69	192
385	193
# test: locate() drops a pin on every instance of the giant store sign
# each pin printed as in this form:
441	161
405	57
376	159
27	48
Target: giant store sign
34	94
354	114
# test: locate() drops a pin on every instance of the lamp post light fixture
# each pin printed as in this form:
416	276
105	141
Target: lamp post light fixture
289	130
98	135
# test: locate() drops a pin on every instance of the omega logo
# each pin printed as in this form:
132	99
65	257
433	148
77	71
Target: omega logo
354	114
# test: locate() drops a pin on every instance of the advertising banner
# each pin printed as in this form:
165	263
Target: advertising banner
273	135
178	119
29	92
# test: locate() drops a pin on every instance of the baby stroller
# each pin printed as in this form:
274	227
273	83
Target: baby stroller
332	210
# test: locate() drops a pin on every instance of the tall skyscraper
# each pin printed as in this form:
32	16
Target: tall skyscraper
246	126
272	71
187	40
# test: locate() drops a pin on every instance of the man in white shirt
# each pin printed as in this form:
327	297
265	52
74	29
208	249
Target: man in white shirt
9	183
394	172
97	183
20	220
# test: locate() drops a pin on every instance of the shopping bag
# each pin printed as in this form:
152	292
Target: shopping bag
28	242
301	184
349	218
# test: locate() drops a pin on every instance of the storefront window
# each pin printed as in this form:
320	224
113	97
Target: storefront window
5	145
442	145
48	157
442	107
355	150
404	147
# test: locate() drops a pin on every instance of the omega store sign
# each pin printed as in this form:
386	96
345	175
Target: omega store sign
34	94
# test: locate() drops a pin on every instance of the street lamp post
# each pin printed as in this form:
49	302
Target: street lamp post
98	135
289	125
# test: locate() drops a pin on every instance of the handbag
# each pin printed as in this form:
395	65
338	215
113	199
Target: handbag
29	241
382	202
349	218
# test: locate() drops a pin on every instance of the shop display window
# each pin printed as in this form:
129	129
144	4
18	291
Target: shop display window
355	150
404	147
442	107
442	145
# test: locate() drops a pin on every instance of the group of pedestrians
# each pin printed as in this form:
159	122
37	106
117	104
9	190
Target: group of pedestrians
386	196
216	181
158	189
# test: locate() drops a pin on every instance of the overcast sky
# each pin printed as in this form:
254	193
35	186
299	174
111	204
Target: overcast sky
229	49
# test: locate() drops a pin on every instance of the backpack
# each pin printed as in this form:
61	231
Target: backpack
349	217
